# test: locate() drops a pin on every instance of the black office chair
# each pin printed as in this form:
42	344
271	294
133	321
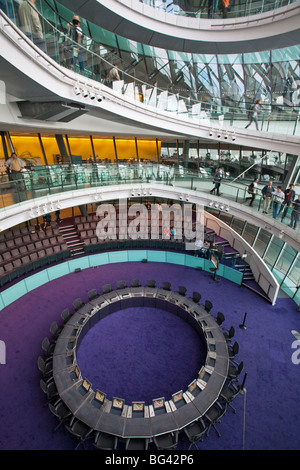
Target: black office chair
220	318
50	390
195	432
48	347
104	441
228	394
137	444
166	441
166	285
135	283
235	371
77	303
208	306
182	290
229	334
233	351
55	330
79	430
106	288
61	411
214	416
92	294
45	367
196	297
65	315
121	284
151	283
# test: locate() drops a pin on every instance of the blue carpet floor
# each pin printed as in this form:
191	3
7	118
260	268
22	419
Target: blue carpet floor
267	415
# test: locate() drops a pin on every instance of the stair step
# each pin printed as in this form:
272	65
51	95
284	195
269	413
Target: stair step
66	229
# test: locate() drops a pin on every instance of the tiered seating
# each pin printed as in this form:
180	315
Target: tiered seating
86	228
23	250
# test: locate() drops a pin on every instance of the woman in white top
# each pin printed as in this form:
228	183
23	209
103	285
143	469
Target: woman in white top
278	198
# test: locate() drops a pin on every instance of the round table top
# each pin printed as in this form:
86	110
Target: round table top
137	419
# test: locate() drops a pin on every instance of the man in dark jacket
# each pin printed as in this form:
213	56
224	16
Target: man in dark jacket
267	192
289	197
217	180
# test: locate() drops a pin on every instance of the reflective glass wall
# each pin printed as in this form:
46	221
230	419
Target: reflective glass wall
283	260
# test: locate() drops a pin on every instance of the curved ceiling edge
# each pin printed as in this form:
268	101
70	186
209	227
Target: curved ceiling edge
278	28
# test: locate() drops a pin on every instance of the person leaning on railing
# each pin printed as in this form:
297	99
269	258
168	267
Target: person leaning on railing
289	196
295	215
15	167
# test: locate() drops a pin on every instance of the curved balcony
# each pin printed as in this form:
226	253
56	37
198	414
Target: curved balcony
129	101
78	186
155	27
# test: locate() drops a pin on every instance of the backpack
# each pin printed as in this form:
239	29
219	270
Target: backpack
72	35
250	188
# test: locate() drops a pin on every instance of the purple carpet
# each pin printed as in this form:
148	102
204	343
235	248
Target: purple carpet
267	415
143	347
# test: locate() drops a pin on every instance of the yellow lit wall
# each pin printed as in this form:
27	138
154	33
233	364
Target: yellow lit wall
81	146
51	149
28	147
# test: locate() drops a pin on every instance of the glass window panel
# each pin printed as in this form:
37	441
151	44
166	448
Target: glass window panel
250	233
225	217
273	251
294	274
262	241
237	224
283	264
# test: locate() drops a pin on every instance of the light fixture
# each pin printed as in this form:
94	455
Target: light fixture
99	98
216	205
187	198
226	136
92	95
221	207
77	90
211	203
58	205
227	209
181	197
211	133
85	93
219	135
233	138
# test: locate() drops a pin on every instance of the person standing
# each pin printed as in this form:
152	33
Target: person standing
31	24
295	215
15	167
253	114
252	189
217	180
73	50
289	196
267	193
278	198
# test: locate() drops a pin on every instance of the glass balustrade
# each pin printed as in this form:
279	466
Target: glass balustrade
279	118
55	179
215	8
